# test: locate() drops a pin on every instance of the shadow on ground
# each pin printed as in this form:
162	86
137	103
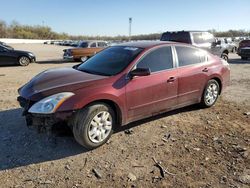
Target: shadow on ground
21	146
238	61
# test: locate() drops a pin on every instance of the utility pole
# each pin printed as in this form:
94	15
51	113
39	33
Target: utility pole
130	24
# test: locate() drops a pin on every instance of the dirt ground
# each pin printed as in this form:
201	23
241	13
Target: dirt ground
195	147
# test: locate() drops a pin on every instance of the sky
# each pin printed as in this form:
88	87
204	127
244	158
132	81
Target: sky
110	17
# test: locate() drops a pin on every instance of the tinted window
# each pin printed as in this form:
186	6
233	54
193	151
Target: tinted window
176	37
110	61
157	60
203	37
83	45
93	45
189	56
102	44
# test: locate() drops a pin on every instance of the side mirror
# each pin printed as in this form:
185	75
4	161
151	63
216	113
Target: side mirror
140	72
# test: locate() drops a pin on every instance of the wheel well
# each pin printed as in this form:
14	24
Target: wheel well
114	106
226	52
23	56
219	82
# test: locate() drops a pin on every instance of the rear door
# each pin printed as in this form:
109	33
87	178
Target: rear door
192	74
149	95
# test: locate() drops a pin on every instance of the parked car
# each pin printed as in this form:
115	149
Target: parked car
244	49
10	56
202	39
85	50
5	45
122	84
227	44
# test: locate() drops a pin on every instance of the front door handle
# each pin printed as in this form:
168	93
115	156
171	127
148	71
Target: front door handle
205	70
171	79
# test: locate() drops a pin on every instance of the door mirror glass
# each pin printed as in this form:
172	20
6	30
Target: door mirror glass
140	72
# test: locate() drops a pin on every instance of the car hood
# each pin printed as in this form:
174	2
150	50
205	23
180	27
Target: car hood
57	80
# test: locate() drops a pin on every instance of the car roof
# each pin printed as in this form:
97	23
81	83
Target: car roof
145	44
186	31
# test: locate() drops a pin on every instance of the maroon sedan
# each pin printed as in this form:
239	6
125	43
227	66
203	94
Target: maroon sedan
122	84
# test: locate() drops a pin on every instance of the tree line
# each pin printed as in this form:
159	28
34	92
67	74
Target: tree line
16	30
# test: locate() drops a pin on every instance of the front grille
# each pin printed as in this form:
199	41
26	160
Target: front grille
25	103
245	51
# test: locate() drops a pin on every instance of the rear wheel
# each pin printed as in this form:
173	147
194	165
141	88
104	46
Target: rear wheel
210	93
93	125
24	61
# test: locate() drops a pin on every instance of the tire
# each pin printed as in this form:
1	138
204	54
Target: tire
24	61
210	94
89	128
234	49
224	56
77	59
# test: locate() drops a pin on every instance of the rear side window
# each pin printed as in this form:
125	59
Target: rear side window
157	60
176	37
190	56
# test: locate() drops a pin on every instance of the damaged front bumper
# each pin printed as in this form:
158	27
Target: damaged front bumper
42	122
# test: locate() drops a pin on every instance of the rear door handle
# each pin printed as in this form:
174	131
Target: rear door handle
205	70
171	79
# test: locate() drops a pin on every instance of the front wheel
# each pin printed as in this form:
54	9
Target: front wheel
93	125
24	61
210	93
224	56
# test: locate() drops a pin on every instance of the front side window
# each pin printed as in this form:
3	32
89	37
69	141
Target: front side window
110	61
83	45
189	56
157	60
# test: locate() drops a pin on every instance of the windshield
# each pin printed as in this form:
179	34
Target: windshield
83	45
110	61
176	37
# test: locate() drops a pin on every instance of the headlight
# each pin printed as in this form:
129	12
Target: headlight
50	104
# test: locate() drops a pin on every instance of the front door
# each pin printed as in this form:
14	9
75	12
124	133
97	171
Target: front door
6	57
152	94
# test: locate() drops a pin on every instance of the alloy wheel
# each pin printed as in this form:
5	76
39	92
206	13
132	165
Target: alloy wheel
100	127
211	94
24	61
